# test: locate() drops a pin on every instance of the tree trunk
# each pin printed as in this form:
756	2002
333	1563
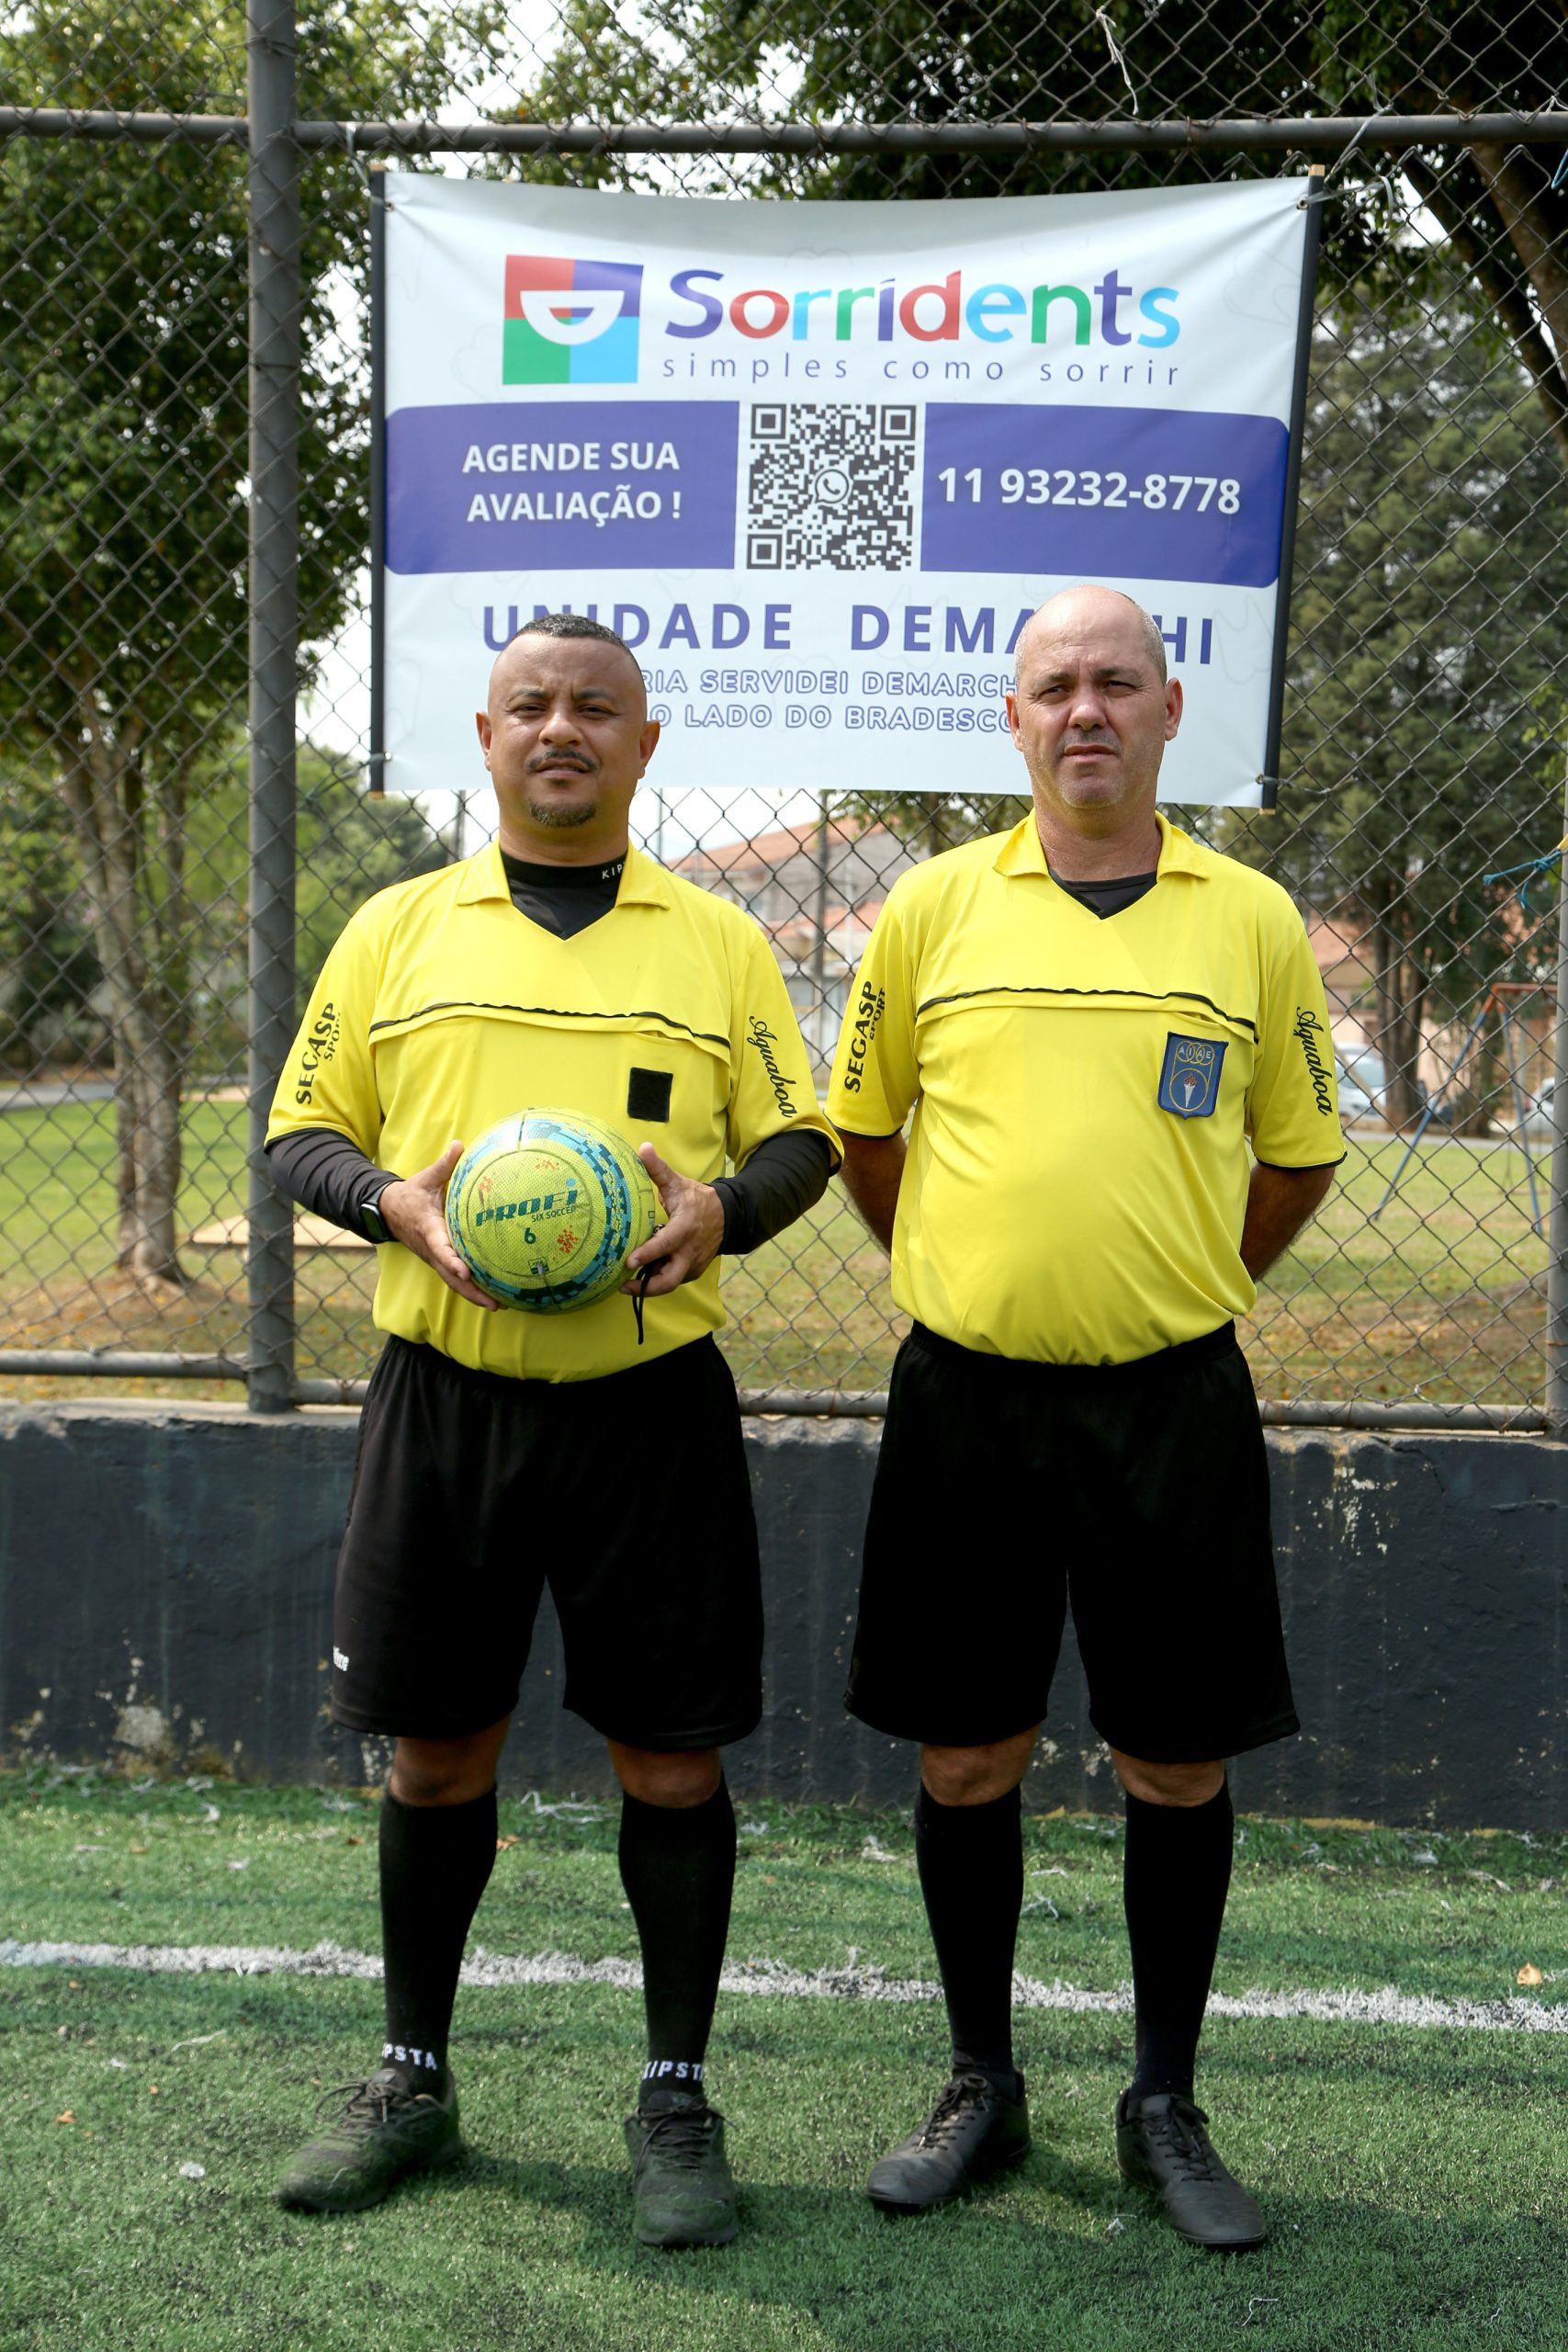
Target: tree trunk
147	1074
1534	234
125	1138
1401	1001
1475	1085
149	1246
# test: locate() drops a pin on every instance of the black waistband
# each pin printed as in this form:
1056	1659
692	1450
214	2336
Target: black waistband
403	1359
1206	1349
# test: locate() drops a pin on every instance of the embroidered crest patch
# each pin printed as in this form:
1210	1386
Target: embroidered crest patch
1190	1076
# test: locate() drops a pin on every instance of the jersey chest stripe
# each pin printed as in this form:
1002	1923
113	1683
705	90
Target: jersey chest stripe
1144	996
549	1013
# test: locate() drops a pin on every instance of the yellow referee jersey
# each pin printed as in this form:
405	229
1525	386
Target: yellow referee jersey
441	1008
1084	1093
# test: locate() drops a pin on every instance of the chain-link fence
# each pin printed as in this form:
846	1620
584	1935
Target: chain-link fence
187	814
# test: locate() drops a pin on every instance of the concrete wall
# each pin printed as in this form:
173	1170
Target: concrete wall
165	1575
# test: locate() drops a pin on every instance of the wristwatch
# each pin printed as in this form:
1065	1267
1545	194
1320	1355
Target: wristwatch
373	1222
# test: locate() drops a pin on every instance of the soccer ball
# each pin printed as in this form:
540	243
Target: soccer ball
546	1208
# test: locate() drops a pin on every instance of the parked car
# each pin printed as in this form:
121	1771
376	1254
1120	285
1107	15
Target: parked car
1362	1079
1365	1067
1363	1088
1355	1103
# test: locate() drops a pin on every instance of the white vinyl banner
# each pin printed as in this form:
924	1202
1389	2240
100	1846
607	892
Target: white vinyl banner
817	462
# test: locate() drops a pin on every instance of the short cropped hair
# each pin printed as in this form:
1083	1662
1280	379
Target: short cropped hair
575	624
1153	638
1149	627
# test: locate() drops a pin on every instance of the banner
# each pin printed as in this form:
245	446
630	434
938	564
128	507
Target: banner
818	463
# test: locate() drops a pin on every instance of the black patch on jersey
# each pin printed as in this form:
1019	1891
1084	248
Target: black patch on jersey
647	1094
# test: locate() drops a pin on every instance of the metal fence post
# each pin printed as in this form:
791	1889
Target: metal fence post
273	626
1557	1258
820	1033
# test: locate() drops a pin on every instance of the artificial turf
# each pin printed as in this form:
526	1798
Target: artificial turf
1416	2179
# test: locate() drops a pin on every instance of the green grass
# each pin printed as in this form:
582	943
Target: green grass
1414	2178
1443	1295
57	1180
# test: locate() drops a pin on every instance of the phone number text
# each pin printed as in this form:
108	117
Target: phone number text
1069	486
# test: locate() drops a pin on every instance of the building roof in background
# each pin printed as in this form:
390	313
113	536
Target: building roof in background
846	931
1335	940
776	848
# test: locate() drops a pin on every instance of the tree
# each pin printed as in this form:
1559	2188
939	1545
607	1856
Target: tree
123	456
1432	567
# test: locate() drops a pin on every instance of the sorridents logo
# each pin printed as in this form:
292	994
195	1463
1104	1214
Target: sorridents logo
942	310
569	321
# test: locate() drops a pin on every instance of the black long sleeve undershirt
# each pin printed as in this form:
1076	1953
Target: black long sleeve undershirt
331	1177
785	1176
328	1175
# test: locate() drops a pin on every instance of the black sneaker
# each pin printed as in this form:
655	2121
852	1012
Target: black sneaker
384	2130
974	2130
1162	2144
682	2190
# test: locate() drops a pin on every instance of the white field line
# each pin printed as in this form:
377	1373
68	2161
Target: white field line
773	1980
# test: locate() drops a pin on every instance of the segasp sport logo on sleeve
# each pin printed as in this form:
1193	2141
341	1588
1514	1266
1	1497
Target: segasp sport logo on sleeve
1189	1075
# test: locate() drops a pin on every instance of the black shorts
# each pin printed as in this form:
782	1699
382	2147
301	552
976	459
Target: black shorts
1139	1490
629	1495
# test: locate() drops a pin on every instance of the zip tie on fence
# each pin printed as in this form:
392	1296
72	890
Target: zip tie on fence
350	130
1530	867
1108	29
1325	194
1558	176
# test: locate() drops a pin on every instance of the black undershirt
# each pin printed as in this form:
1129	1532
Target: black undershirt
331	1177
563	898
1104	898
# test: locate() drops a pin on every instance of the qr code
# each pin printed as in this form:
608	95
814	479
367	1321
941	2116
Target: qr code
830	489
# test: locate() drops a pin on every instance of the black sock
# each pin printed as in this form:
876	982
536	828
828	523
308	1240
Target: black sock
678	1868
1177	1875
435	1861
970	1859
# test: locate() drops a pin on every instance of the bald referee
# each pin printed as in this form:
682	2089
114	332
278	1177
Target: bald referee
1115	1045
500	1450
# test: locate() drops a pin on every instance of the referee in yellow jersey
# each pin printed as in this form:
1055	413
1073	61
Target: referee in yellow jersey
501	1449
1115	1045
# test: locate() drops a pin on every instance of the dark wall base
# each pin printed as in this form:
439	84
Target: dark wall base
166	1577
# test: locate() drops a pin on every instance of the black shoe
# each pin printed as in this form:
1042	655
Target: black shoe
384	2130
681	2186
974	2130
1162	2146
